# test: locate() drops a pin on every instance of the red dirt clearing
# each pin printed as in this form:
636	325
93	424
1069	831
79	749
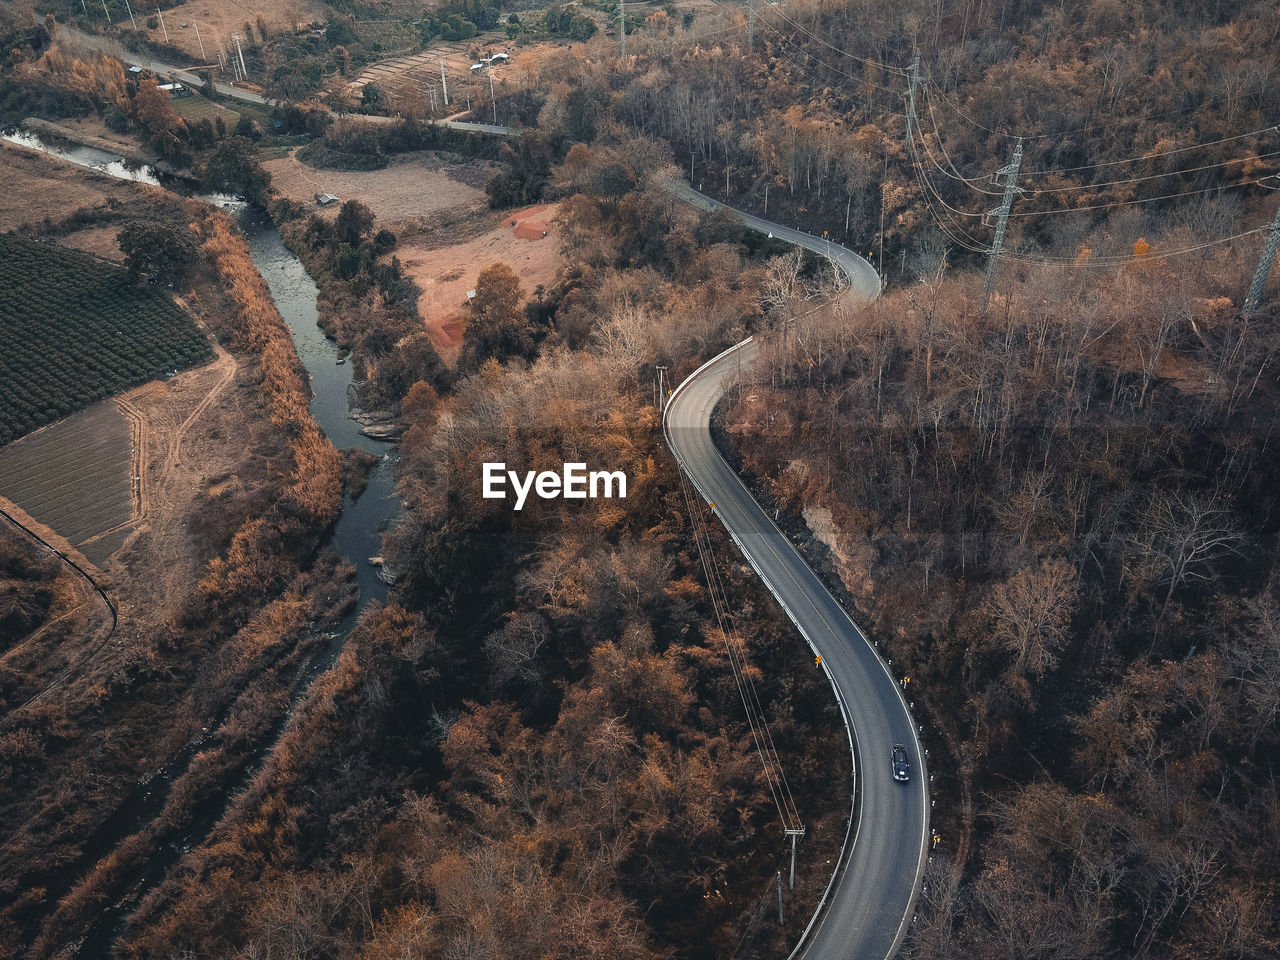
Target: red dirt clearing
526	240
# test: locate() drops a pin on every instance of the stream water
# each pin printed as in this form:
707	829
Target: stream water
358	533
357	536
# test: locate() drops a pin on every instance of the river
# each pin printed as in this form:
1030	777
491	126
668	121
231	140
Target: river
356	536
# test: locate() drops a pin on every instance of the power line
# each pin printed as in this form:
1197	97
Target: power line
822	63
1164	153
1051	261
972	244
775	777
1150	176
844	53
973	183
955	174
1123	203
1097	206
930	194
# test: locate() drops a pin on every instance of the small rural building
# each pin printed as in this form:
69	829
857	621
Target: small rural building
175	89
325	199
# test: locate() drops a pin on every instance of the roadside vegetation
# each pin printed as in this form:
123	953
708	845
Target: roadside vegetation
1060	520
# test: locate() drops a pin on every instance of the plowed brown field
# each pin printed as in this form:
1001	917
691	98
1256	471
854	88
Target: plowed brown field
75	476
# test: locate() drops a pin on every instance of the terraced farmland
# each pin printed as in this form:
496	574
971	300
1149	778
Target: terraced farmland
74	330
422	70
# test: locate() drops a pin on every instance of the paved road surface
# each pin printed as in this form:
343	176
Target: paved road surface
116	49
871	901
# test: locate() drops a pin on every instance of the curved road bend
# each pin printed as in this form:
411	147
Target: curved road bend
870	903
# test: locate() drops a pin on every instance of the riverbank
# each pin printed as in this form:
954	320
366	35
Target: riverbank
200	674
91	132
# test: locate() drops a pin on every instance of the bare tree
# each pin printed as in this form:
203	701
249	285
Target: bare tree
782	283
1181	533
1255	665
1031	612
513	650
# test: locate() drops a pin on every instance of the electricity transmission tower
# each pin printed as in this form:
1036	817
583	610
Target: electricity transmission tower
1011	189
911	97
1264	268
244	71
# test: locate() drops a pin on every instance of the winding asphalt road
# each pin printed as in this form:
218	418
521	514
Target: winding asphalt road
870	901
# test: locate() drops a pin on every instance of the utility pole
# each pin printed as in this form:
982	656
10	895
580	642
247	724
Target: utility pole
104	10
911	98
1264	268
1011	189
244	71
751	25
444	87
203	56
221	49
163	28
129	9
622	26
795	834
780	919
493	99
880	261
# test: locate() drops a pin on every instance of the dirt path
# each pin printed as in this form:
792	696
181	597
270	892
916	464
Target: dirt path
147	420
138	437
226	366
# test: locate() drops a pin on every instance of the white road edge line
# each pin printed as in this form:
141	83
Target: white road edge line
849	844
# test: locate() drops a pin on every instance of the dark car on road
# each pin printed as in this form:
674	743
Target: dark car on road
901	765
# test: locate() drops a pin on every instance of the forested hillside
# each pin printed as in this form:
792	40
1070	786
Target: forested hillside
1061	518
1117	102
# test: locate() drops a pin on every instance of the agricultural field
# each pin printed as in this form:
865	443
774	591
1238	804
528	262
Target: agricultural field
198	108
74	330
76	477
421	70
